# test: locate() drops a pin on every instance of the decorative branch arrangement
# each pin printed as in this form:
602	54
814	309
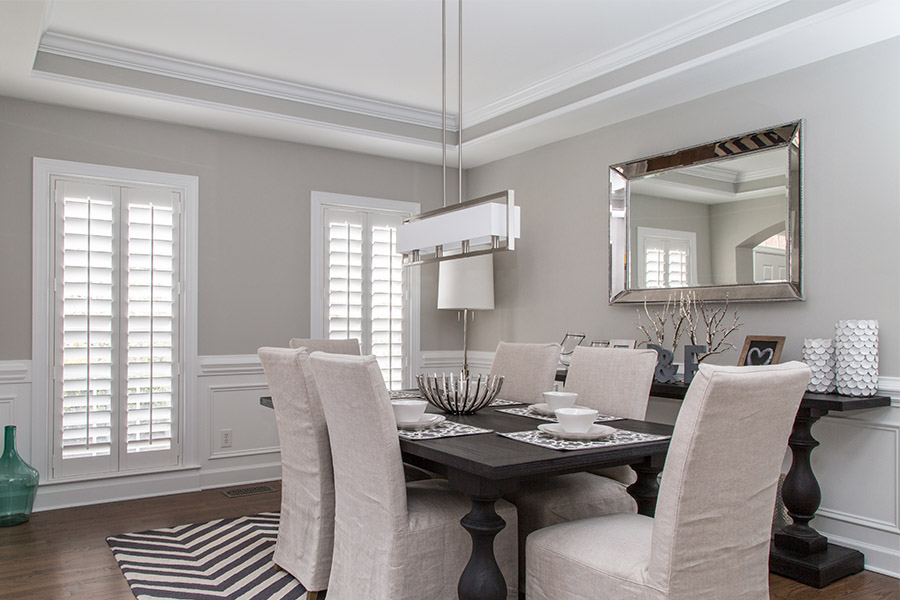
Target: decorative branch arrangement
703	323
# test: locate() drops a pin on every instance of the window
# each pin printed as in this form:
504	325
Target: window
669	258
360	289
116	339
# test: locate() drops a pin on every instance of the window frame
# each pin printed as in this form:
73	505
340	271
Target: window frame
668	235
43	316
318	202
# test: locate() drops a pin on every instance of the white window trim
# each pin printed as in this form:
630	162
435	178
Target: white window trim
42	293
689	236
318	200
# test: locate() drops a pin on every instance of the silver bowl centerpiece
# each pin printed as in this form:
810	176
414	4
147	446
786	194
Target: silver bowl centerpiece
459	395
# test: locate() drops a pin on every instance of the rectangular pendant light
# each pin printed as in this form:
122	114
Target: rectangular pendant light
480	226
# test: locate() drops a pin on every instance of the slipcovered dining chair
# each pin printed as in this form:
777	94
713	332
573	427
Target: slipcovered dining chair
350	346
392	540
613	382
529	370
710	537
303	547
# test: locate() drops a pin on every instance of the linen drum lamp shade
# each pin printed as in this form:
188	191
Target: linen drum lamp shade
466	283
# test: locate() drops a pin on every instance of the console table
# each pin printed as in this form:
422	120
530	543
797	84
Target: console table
799	551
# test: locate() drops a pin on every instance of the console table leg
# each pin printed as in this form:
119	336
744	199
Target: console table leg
801	492
800	552
482	579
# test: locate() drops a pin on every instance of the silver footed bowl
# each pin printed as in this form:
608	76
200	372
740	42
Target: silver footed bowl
459	395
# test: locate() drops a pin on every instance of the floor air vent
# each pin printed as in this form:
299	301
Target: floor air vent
249	491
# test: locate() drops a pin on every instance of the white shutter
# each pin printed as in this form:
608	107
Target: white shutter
364	288
387	305
86	330
344	267
151	332
666	262
115	268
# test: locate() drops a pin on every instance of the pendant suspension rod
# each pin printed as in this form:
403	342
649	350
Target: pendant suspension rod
459	129
444	100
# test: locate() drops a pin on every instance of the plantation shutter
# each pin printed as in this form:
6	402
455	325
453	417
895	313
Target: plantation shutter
387	300
115	293
665	262
365	290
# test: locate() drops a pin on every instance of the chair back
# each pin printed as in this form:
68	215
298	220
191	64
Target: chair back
306	529
612	381
370	489
350	346
714	511
529	370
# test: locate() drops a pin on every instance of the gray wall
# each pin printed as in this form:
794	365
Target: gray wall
557	279
254	216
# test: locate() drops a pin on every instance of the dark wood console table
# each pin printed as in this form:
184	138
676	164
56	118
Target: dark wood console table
799	551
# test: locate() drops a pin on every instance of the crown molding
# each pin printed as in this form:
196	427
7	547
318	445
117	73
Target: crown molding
112	55
654	43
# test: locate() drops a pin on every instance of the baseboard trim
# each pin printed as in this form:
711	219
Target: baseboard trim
879	559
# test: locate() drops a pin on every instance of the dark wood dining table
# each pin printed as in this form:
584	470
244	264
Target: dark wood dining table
486	466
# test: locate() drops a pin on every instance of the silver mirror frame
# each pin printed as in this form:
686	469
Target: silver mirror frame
787	136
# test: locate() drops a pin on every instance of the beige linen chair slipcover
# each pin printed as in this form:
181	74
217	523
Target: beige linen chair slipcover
306	528
529	370
710	537
613	382
392	540
350	346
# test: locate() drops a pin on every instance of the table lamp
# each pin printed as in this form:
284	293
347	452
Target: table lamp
466	284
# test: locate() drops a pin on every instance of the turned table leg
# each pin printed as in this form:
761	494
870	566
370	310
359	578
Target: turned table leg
799	551
801	492
646	489
482	579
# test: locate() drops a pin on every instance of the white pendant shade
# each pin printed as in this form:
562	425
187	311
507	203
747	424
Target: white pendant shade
466	283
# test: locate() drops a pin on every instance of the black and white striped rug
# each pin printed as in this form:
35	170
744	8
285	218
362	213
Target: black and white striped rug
225	558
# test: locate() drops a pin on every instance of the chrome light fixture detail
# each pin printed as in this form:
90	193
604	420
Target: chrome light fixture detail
481	226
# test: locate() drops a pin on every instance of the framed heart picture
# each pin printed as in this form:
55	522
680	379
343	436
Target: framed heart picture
761	350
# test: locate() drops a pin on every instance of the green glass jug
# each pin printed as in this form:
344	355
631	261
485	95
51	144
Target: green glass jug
18	483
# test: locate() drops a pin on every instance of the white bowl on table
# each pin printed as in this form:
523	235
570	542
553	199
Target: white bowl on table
408	411
556	400
576	420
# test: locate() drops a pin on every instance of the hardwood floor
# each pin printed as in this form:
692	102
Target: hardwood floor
62	554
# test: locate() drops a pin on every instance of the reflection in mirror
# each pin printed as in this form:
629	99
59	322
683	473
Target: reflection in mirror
722	218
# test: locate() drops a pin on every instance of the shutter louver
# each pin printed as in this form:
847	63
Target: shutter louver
387	305
151	300
345	278
87	312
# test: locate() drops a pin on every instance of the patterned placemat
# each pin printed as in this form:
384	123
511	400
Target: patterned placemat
620	438
525	411
445	429
502	402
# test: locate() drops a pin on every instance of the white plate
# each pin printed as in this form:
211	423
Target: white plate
544	409
594	433
426	422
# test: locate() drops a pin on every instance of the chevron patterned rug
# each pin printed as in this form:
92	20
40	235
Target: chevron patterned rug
225	558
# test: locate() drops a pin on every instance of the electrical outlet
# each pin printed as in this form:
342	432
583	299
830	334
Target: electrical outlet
225	441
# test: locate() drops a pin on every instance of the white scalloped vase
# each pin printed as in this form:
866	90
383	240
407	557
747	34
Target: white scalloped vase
856	357
818	354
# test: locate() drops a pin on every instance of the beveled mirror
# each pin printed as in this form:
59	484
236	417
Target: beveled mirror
721	219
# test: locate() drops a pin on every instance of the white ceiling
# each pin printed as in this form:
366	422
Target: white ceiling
365	75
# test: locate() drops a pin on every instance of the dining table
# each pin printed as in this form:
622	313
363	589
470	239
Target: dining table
486	466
